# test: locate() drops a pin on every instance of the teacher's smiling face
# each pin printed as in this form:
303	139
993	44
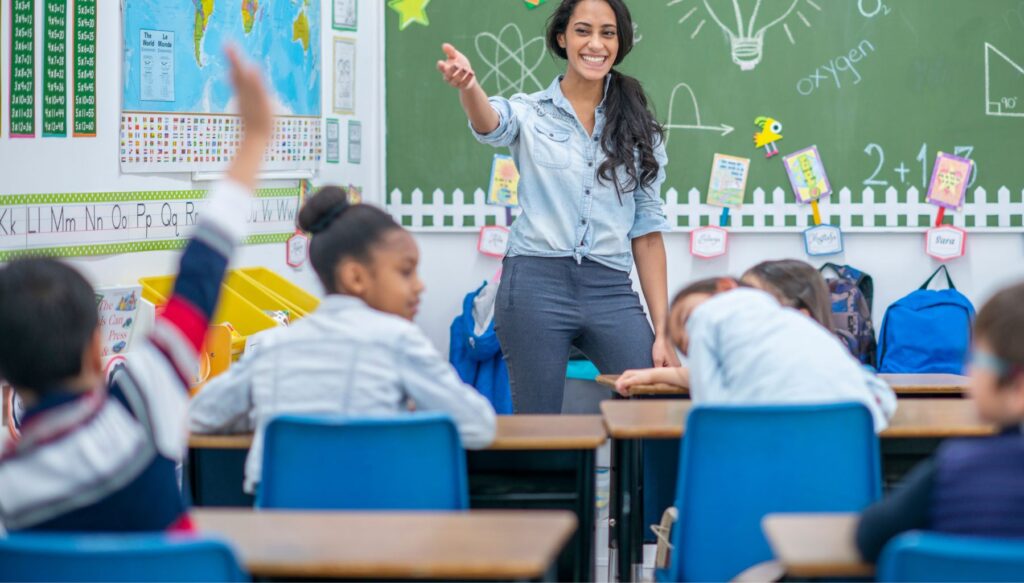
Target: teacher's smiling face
591	40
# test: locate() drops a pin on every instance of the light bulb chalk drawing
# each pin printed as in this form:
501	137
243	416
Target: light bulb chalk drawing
697	124
508	49
1003	105
745	27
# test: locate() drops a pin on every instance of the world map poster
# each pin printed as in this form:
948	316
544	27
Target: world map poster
178	104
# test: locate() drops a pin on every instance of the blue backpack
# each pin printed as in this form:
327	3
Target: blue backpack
927	331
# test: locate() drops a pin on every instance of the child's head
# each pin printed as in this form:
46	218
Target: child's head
997	370
49	327
359	250
795	284
687	300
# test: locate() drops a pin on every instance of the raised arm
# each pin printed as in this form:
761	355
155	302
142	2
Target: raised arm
458	73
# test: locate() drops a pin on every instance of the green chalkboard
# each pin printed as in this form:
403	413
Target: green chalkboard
880	86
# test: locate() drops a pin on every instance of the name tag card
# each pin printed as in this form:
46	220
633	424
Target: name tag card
493	241
709	242
946	242
823	240
297	251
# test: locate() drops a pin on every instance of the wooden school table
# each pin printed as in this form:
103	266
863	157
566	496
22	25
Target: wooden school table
904	385
630	421
816	546
392	545
535	462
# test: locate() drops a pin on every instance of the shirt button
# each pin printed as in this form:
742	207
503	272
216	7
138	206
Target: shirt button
596	139
591	164
588	191
583	221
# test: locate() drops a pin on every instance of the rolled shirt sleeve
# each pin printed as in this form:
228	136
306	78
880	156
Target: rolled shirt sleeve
507	131
650	210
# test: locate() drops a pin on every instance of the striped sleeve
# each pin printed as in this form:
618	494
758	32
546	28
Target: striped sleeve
178	333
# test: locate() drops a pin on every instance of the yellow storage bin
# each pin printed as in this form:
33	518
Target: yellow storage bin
233	309
286	290
260	296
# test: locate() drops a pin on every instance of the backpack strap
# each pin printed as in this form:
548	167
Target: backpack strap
949	280
831	266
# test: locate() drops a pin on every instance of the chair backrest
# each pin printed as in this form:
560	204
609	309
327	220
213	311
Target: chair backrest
738	463
405	462
116	557
930	556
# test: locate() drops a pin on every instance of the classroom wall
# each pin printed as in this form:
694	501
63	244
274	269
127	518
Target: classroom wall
451	267
45	165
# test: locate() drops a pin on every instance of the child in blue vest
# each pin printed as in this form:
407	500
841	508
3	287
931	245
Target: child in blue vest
99	457
970	486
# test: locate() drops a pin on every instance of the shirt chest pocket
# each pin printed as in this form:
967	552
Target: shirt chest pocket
550	147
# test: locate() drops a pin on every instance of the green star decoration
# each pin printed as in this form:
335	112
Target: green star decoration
410	11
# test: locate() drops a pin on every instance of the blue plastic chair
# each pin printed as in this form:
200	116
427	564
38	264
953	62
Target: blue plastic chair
738	463
930	556
407	462
116	557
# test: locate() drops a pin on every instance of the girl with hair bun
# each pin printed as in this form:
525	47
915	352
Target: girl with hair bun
358	354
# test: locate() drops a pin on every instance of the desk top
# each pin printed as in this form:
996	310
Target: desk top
902	384
814	546
519	432
392	545
926	384
916	418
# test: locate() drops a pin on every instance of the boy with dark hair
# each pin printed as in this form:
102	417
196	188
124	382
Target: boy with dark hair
970	486
97	457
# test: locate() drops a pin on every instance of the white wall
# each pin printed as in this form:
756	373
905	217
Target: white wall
41	165
451	267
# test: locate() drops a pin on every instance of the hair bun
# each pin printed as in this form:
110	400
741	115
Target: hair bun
322	209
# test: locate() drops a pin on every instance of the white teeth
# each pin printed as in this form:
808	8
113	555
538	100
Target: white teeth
590	59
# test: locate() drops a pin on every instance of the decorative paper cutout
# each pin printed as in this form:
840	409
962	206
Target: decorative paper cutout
807	174
949	181
771	132
503	187
728	181
410	11
297	250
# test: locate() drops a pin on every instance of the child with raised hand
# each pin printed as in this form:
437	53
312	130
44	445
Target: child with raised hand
971	486
358	354
99	457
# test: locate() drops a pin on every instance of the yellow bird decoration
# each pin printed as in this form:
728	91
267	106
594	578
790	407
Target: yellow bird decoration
771	132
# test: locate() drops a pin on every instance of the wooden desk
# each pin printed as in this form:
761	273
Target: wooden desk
904	385
520	432
816	546
914	418
535	462
630	421
926	384
410	545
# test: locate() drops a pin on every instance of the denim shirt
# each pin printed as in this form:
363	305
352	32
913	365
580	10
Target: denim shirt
566	210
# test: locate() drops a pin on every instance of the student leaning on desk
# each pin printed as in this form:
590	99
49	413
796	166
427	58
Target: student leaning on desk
970	486
97	457
358	354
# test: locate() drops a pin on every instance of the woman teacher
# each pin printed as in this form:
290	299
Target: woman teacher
591	159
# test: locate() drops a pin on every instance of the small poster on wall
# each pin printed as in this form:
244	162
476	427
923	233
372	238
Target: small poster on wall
807	174
333	141
346	14
949	181
355	141
118	309
344	75
728	180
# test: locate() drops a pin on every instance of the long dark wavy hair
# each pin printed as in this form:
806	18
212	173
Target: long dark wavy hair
631	130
